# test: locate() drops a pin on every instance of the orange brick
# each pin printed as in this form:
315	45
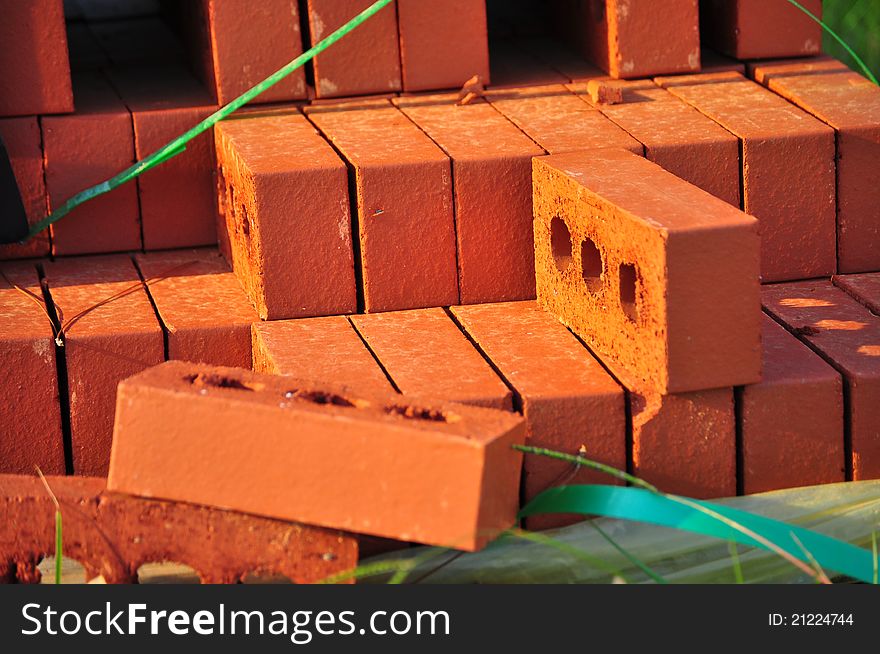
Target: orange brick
328	456
658	277
865	288
21	136
204	311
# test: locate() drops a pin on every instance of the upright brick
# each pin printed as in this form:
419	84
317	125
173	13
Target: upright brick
634	38
110	333
792	422
82	150
685	443
203	309
22	139
570	403
758	29
442	43
178	198
851	105
491	160
30	414
678	137
370	463
864	287
34	67
366	61
285	213
317	349
424	353
560	121
846	334
658	277
787	175
405	218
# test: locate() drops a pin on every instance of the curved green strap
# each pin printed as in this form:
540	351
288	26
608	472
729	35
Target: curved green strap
668	511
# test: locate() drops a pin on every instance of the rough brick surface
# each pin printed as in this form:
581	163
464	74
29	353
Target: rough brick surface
375	464
788	170
865	288
846	334
658	277
686	443
110	332
425	353
631	38
559	121
204	311
569	402
851	105
34	70
82	150
757	29
177	199
285	215
30	414
491	163
112	535
677	137
406	225
792	422
344	69
442	43
22	139
317	349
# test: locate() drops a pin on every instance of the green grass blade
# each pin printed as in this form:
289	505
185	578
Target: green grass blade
641	565
836	37
737	566
59	554
587	463
874	554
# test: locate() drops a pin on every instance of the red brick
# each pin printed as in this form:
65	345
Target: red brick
442	43
286	214
515	67
110	332
346	69
865	288
30	412
241	44
34	70
82	150
560	121
375	464
847	335
326	350
686	443
569	402
21	136
204	311
851	105
678	138
424	353
758	29
112	535
658	277
631	39
491	164
788	170
792	422
405	215
178	198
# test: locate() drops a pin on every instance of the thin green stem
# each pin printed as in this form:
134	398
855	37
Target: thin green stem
178	145
737	566
630	557
587	463
837	38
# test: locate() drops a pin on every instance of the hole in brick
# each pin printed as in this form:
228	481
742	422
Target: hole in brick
245	222
167	572
629	277
591	265
560	243
220	381
416	413
319	397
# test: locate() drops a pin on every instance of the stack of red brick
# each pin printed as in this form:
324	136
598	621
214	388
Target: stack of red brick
668	265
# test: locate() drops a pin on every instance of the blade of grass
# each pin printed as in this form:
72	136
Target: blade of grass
588	463
58	526
737	566
542	539
629	557
837	38
874	553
